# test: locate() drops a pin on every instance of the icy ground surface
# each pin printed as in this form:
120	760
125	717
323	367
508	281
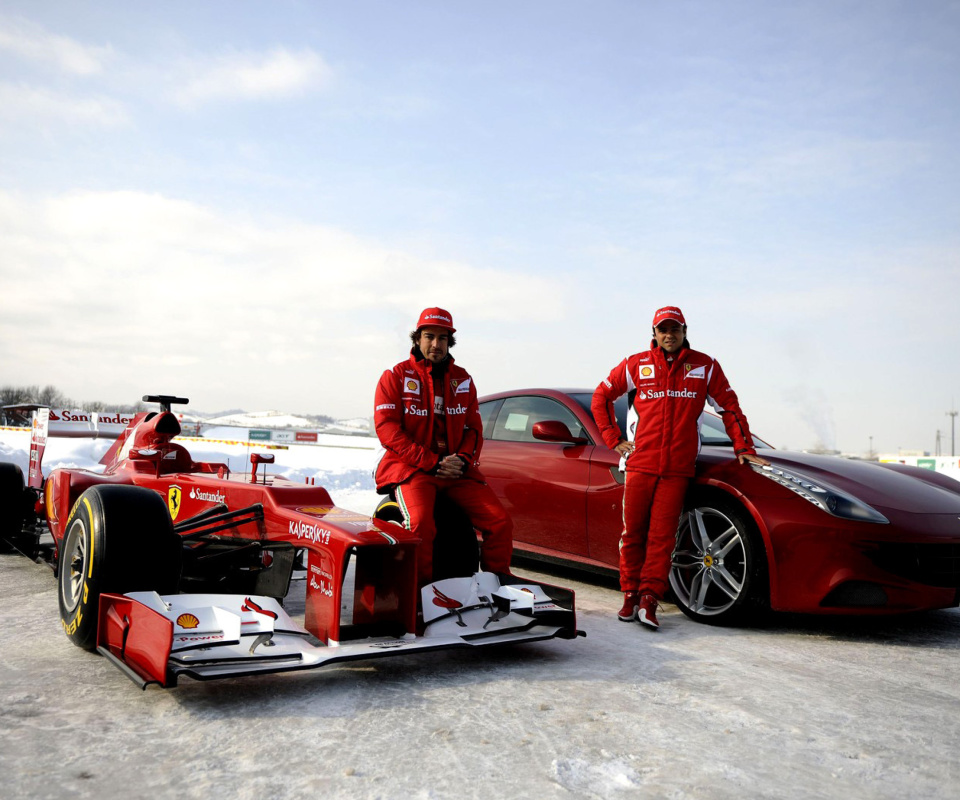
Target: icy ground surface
802	708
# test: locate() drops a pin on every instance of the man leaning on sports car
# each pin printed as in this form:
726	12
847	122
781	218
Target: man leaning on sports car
427	420
667	386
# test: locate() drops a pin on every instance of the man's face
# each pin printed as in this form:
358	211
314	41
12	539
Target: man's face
669	336
433	343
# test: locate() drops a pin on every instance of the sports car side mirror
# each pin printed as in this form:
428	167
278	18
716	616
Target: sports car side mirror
552	430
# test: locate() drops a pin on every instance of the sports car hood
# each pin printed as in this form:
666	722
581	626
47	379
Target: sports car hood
875	485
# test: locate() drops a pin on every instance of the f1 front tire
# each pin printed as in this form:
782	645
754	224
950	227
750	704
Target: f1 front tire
118	539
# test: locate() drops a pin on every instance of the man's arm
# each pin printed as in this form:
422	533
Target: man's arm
388	420
724	401
617	383
472	442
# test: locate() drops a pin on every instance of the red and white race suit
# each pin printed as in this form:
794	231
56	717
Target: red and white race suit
668	395
669	398
419	419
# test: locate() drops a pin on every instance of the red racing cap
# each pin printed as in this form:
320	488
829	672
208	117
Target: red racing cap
668	313
436	317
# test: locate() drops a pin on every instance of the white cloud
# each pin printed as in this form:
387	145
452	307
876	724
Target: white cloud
33	43
281	73
28	105
115	232
111	293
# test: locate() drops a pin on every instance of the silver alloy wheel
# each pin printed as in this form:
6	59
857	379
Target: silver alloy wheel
74	565
709	563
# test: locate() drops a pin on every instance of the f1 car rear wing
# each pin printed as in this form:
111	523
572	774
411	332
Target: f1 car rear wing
58	422
38	443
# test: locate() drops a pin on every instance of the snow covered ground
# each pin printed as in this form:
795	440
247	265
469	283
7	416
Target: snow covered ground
802	708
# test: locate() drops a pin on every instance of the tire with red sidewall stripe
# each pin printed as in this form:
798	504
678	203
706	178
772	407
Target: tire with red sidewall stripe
118	539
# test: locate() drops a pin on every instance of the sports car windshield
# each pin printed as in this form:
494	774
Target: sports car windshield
712	432
619	407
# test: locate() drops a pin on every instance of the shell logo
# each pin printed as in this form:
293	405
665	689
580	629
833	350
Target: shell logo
187	621
411	386
646	372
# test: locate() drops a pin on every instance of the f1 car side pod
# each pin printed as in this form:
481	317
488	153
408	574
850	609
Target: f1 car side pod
154	639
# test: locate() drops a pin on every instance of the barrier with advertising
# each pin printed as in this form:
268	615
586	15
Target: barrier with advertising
947	465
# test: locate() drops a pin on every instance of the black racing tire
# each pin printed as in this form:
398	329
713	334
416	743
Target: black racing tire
389	511
719	572
456	551
12	504
118	539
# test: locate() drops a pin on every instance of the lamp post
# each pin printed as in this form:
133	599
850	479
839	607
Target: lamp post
953	420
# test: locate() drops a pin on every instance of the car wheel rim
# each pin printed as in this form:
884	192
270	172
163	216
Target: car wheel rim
709	562
74	565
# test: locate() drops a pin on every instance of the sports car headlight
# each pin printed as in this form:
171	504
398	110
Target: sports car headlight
833	501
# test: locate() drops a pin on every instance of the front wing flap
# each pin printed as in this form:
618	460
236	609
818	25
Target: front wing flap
155	639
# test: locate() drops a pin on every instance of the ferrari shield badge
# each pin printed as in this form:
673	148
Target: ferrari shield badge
173	501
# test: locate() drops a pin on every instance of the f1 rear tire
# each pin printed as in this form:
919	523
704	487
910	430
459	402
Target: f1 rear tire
12	504
456	551
118	539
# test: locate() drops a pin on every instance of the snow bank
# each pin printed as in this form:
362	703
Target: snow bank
343	465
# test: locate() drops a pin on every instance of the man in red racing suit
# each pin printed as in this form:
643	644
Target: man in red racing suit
668	386
428	421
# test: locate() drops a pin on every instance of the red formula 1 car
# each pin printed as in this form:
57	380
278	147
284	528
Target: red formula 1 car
172	567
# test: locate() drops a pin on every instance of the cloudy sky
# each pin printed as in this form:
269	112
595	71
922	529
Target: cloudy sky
249	203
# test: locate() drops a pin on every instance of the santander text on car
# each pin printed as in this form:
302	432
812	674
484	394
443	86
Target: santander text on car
808	534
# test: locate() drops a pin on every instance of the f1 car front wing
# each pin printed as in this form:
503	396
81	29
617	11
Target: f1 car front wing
155	639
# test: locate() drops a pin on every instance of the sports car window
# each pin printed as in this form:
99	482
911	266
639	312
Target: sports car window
488	411
518	414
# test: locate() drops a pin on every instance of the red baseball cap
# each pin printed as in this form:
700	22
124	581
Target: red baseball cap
437	318
666	313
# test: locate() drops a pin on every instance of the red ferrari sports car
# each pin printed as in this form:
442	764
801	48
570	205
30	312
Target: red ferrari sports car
809	534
